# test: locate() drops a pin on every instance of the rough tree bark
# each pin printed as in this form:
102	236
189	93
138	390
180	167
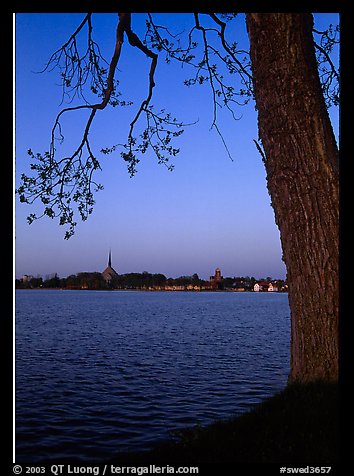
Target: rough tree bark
301	161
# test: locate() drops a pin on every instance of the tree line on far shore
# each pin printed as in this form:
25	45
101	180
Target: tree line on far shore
145	280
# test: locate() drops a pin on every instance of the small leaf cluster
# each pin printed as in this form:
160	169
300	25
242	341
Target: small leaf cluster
161	128
58	185
159	38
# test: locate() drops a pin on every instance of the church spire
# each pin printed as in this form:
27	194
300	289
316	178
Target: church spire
110	259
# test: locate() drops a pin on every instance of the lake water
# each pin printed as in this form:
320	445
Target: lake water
99	372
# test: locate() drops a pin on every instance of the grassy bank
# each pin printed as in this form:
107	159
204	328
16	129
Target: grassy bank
296	426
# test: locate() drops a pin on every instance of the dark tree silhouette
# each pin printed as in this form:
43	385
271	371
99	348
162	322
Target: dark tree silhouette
291	88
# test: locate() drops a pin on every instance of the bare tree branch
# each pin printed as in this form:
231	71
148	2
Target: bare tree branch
61	182
136	42
329	74
221	33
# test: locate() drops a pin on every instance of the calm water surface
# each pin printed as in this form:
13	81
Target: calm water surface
100	372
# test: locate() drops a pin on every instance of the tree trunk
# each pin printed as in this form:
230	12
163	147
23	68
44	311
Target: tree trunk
301	161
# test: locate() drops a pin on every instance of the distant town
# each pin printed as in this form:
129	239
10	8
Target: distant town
109	279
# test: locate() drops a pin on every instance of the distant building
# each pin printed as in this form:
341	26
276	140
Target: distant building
109	274
272	288
175	288
265	286
216	280
261	286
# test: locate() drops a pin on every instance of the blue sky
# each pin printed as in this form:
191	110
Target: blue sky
209	212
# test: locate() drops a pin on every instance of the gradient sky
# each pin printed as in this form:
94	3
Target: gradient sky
209	212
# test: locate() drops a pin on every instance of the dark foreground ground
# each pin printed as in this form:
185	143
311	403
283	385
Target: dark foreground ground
298	426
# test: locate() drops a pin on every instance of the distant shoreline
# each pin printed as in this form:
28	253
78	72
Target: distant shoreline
157	290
